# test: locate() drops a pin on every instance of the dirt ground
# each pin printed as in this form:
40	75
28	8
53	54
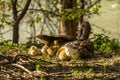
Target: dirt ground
20	66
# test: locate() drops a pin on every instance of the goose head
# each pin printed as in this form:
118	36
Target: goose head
83	31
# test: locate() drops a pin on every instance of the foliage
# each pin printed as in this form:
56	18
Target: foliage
92	11
103	43
44	13
5	7
9	46
38	67
83	71
71	14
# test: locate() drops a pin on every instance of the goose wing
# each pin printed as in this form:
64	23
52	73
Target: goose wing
45	39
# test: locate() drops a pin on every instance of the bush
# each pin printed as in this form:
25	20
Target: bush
103	43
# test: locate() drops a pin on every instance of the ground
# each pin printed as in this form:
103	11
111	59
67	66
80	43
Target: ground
18	65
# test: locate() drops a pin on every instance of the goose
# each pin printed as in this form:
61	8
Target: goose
82	47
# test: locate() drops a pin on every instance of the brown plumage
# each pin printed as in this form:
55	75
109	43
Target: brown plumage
84	31
78	49
48	40
82	47
53	43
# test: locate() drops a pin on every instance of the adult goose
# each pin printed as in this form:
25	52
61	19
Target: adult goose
80	48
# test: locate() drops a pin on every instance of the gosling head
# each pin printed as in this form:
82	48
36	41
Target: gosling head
56	42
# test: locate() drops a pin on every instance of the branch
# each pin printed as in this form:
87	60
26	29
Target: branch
51	12
22	14
93	4
21	67
47	11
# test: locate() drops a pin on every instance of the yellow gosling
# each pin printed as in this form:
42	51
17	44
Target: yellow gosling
34	51
61	54
44	49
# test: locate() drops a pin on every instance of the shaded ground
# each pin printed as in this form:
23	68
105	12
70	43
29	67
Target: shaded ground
19	66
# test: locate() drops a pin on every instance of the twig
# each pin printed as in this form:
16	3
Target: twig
93	4
42	60
24	10
21	67
45	11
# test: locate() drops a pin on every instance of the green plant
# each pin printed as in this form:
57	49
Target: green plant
76	72
88	73
38	67
9	46
39	62
105	68
103	43
42	77
65	77
83	70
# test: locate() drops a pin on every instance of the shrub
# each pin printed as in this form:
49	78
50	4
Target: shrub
8	45
103	43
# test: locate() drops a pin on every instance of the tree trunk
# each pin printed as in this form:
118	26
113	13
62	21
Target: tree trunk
15	26
17	18
16	33
68	27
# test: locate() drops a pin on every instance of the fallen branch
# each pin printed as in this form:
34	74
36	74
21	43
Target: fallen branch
21	67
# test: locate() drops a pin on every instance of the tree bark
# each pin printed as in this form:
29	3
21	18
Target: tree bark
68	27
17	18
16	33
15	26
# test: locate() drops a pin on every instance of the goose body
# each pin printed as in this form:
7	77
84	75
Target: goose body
72	50
79	49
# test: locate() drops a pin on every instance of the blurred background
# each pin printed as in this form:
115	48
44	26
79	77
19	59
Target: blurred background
109	19
108	22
